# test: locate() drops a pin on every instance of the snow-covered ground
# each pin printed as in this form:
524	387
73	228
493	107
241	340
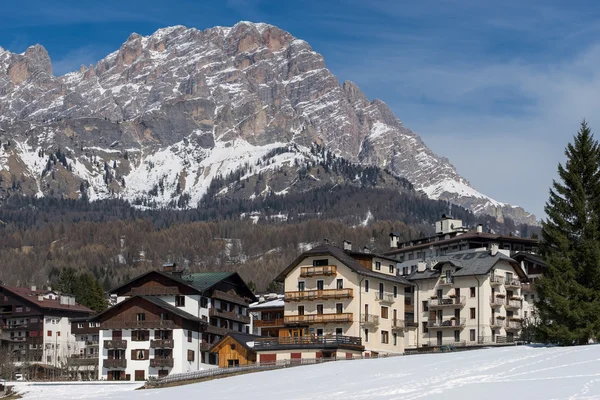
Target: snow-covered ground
502	373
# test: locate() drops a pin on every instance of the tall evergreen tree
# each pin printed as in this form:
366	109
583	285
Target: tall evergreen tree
569	293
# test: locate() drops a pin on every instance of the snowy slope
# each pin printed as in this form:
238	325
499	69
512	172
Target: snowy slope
501	373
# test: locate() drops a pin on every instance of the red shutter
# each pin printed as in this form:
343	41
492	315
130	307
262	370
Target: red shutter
319	354
268	358
349	356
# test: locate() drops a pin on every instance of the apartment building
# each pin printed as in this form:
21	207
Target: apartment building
35	325
337	304
472	297
166	322
534	267
267	315
83	363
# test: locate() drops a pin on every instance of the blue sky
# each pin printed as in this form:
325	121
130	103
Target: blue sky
497	87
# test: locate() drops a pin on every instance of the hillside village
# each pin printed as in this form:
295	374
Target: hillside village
457	289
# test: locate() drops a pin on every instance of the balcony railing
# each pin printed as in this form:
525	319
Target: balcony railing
446	281
325	294
115	344
325	270
204	346
398	324
513	304
318	342
513	325
526	287
158	362
158	324
497	301
92	342
230	315
154	290
162	344
15	326
262	323
82	360
496	280
512	283
232	298
447	302
317	318
120	363
496	322
449	323
369	319
384	297
409	308
217	330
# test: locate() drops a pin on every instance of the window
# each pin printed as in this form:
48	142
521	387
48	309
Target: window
392	269
384	312
49	333
339	308
33	333
366	285
57	333
377	266
385	337
319	308
189	336
190	356
525	314
321	263
180	301
320	332
138	354
472	335
300	310
139	336
301	286
141	317
472	292
339	331
472	311
204	302
457	336
340	284
532	297
49	359
320	284
395	292
395	338
425	307
164	316
366	335
425	328
19	309
80	325
27	309
381	290
525	297
405	271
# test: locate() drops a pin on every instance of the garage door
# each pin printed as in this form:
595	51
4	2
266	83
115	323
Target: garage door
268	358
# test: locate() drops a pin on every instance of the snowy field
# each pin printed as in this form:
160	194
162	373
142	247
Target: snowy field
516	372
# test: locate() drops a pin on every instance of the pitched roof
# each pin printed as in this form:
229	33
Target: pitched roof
205	280
158	302
536	258
31	296
345	259
245	339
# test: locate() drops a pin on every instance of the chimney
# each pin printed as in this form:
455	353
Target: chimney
480	228
366	250
394	239
347	245
40	298
494	249
169	267
421	265
64	300
33	288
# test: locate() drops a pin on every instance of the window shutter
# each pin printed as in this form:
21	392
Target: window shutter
146	354
146	335
133	355
156	334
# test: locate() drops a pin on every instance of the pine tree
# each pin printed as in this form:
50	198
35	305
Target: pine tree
568	301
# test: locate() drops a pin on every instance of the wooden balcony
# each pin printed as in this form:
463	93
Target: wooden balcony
512	283
526	287
268	323
326	270
447	302
232	316
496	323
369	319
409	308
317	319
232	298
306	295
384	297
446	324
513	304
158	324
398	324
446	281
162	344
309	342
161	362
120	363
496	280
15	326
216	330
115	344
154	291
205	346
82	361
497	301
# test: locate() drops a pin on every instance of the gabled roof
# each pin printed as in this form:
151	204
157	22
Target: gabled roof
157	302
245	339
345	259
205	280
165	274
30	296
525	255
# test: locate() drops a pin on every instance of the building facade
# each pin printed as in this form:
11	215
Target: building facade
267	315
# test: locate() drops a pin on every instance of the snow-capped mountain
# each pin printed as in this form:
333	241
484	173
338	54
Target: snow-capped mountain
167	113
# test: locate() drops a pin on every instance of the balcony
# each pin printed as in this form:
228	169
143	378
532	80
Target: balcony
92	342
397	324
369	319
513	304
216	330
512	283
115	344
162	344
155	291
232	298
161	362
158	324
513	325
205	346
326	294
385	297
446	281
15	326
409	308
496	323
230	315
446	324
82	361
325	270
120	363
496	280
447	302
309	342
497	301
317	319
268	323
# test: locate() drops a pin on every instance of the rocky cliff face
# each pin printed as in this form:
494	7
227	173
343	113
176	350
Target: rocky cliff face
165	114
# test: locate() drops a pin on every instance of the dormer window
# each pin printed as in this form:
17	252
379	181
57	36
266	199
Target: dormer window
392	269
377	266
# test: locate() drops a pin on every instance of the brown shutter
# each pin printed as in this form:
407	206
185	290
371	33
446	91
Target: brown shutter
133	355
156	334
146	354
432	315
117	335
146	335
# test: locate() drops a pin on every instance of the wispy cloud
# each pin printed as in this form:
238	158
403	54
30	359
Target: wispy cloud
74	59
